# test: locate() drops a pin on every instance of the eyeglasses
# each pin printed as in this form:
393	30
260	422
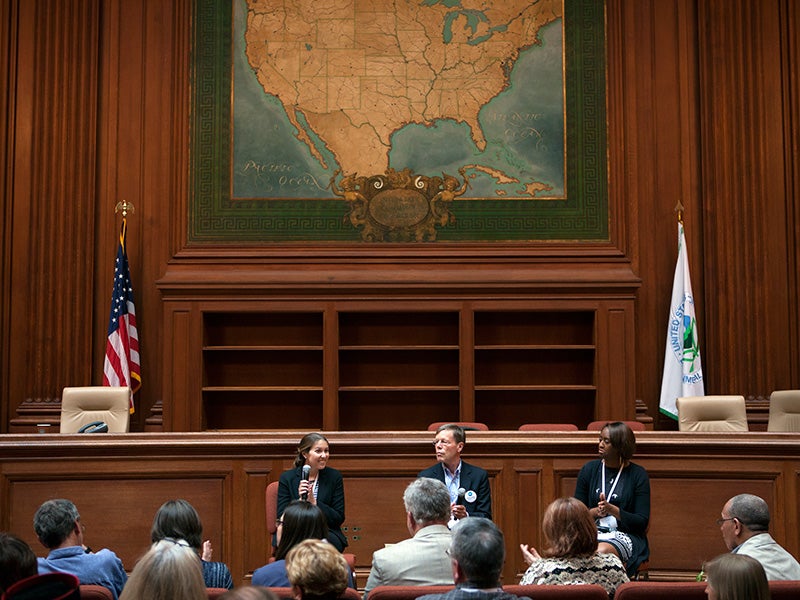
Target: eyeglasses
279	522
442	442
721	521
182	543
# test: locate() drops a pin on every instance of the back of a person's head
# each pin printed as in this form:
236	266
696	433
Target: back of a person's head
248	592
569	529
17	560
479	549
751	511
54	521
317	569
300	521
737	577
428	500
177	519
170	569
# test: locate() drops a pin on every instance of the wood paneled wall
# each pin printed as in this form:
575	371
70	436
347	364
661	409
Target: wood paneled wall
702	108
119	481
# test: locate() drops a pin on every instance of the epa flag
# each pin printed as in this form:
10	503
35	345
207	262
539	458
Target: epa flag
683	373
122	366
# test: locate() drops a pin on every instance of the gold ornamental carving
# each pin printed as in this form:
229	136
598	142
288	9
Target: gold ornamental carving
399	206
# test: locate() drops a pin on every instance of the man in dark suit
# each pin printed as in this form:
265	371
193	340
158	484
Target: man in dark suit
456	474
477	553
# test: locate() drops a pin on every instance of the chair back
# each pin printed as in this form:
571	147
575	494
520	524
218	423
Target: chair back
83	405
214	593
95	592
712	413
285	593
468	425
52	586
271	498
784	411
548	427
784	590
598	425
661	590
405	592
558	592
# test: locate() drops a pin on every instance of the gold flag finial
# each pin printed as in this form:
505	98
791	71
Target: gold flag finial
124	206
679	212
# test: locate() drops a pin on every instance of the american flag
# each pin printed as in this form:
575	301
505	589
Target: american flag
122	366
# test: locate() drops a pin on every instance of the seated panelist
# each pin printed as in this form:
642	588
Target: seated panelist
470	494
313	480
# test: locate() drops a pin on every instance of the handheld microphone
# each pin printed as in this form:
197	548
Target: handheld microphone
461	493
306	472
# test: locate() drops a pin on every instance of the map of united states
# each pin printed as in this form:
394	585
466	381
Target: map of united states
352	74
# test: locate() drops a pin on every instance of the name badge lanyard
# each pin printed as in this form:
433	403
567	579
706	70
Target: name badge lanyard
613	483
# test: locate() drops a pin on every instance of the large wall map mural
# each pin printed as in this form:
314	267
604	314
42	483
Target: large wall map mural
305	111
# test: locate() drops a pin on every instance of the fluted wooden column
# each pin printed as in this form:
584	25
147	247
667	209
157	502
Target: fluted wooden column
750	311
51	237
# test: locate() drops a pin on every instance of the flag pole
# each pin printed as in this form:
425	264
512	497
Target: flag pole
679	212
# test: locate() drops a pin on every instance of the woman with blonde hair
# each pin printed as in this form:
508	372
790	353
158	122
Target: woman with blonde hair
736	577
316	570
170	569
571	556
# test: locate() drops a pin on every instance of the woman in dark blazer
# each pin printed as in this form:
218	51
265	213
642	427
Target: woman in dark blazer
323	487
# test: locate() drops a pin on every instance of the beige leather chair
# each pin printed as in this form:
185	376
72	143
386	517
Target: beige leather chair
83	405
784	411
712	413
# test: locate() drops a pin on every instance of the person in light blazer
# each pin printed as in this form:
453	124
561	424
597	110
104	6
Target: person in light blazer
459	475
324	487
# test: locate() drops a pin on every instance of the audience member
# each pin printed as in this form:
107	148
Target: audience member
571	556
177	519
477	554
736	577
58	526
300	521
744	524
249	592
317	571
617	493
422	559
470	494
169	570
320	484
17	560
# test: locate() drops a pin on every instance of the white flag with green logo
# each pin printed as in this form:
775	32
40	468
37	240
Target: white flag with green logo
683	373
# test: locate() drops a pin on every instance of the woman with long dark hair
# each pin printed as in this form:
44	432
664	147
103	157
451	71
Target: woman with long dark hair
321	486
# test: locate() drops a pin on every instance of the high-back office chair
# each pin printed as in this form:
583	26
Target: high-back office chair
712	413
598	425
548	427
784	411
468	425
83	405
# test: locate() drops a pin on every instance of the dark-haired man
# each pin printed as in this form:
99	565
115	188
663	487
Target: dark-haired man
744	524
477	553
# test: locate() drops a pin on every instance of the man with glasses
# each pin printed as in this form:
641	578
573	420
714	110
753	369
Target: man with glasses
744	524
58	526
470	495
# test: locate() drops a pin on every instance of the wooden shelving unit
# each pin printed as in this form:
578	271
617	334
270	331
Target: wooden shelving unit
347	368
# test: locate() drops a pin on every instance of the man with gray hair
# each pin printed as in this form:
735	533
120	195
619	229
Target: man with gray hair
477	554
422	559
744	524
58	526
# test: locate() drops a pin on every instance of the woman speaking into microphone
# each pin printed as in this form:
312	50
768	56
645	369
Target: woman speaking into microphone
313	480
